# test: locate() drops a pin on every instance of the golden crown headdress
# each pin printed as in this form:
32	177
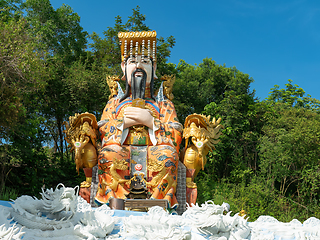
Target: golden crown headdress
138	43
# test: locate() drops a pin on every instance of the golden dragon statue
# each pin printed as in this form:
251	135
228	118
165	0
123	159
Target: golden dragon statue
81	135
200	135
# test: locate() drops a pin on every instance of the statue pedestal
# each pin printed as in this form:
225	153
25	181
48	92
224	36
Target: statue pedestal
192	190
85	187
144	204
192	195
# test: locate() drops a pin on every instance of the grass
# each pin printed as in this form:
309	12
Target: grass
6	194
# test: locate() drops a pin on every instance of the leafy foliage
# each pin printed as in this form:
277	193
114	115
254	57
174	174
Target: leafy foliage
198	86
256	199
275	143
223	92
289	151
10	10
22	71
292	96
59	30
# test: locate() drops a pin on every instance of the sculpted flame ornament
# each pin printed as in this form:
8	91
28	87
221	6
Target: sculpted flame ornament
168	81
112	82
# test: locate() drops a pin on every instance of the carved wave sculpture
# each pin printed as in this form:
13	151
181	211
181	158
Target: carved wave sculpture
62	214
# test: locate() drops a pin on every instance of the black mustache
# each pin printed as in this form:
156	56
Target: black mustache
140	70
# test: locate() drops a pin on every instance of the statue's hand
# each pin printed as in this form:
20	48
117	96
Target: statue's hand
136	116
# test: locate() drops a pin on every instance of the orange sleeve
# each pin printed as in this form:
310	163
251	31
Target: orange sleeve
170	129
108	124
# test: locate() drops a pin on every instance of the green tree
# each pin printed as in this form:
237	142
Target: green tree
62	37
10	10
269	151
223	92
59	30
87	89
22	72
293	96
199	85
289	148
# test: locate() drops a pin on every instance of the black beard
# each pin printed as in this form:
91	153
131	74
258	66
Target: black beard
127	92
138	84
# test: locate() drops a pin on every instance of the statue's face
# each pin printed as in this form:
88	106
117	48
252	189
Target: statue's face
134	64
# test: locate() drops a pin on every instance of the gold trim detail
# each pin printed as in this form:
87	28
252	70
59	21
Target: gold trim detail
86	183
168	81
113	85
138	102
117	164
156	166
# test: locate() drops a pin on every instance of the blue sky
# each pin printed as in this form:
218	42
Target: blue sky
272	41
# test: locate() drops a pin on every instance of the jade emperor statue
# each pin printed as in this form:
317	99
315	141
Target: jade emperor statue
140	132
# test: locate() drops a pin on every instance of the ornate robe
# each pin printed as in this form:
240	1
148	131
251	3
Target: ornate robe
121	151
